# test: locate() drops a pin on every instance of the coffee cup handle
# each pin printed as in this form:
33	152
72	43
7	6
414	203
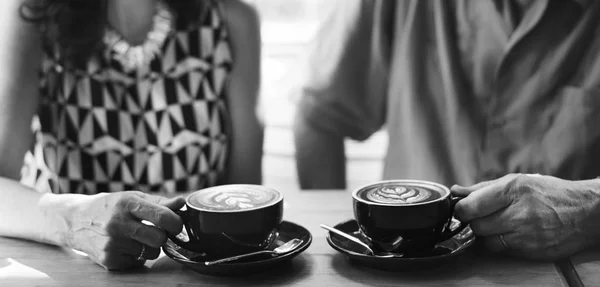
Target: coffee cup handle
173	237
447	234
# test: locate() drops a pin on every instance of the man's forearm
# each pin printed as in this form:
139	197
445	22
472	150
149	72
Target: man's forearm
245	161
320	157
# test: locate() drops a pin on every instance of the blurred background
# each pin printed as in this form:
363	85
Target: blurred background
288	29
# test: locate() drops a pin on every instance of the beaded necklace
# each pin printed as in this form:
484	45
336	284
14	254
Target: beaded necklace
132	57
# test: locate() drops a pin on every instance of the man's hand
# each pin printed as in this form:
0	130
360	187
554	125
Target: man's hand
539	217
108	227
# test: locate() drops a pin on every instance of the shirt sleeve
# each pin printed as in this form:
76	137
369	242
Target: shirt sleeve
346	76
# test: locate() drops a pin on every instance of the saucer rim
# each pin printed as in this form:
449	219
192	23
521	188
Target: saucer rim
297	251
468	243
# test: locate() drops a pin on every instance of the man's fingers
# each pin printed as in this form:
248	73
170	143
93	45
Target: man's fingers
146	234
459	190
466	190
499	222
483	202
157	214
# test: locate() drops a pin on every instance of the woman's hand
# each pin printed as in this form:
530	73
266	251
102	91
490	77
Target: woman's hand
108	227
539	217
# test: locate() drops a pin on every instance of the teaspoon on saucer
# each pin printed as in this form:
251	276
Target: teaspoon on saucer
349	237
285	248
359	242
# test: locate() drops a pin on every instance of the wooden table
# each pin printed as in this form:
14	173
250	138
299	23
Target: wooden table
587	267
25	263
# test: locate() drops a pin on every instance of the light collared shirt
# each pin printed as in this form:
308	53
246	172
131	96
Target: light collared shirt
467	90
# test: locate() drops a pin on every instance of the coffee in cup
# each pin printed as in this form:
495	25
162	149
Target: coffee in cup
405	216
229	220
234	198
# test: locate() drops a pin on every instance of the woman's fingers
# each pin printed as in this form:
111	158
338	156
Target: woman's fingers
152	209
145	234
146	252
132	248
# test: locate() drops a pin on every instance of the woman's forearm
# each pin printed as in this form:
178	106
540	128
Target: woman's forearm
28	214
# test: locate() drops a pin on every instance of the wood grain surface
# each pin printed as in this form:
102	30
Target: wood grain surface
24	263
586	266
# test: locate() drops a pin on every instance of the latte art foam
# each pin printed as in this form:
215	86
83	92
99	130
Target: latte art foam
399	194
228	198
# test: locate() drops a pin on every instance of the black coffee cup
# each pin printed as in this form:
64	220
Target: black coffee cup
405	216
229	220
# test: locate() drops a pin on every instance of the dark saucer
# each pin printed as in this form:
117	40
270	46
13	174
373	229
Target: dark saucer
443	253
253	265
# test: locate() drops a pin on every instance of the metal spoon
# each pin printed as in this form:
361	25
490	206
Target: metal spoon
362	244
285	248
349	237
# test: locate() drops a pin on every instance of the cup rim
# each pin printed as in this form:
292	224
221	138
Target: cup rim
402	181
254	186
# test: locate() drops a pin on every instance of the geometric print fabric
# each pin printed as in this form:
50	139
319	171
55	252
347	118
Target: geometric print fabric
160	127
